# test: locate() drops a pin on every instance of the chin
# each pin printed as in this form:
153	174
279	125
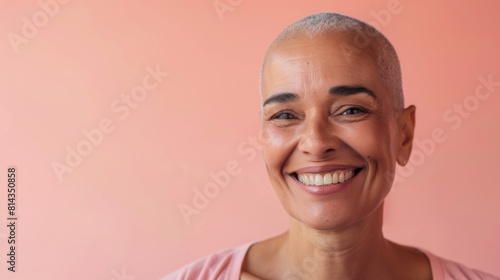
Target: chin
326	218
334	217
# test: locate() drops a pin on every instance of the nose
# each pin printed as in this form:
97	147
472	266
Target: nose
319	137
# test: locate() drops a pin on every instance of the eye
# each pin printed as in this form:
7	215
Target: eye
353	111
283	116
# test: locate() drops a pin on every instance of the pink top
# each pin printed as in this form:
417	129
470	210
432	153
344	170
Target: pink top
226	265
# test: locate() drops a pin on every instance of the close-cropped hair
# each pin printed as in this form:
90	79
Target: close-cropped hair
365	36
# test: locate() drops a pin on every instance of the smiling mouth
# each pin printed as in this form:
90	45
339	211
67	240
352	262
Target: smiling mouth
331	178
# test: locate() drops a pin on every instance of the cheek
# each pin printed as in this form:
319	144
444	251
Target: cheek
374	142
377	147
277	145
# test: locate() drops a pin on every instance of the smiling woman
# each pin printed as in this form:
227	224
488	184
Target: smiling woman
333	126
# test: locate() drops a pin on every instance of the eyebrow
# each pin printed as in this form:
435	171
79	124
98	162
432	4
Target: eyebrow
350	90
285	97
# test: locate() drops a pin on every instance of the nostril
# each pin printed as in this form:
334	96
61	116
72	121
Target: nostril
319	147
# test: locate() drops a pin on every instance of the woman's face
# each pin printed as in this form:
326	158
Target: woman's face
329	132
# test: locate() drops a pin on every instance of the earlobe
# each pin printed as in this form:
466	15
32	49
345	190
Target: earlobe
402	161
406	126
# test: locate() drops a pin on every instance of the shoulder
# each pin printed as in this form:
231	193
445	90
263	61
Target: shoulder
224	264
447	270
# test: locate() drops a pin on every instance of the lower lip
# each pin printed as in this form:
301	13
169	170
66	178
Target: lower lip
325	189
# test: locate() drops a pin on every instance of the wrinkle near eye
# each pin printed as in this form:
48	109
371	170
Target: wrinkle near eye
274	108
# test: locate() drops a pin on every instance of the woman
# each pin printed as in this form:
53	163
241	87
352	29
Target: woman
334	127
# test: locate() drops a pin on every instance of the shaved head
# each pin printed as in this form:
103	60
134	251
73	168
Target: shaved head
365	38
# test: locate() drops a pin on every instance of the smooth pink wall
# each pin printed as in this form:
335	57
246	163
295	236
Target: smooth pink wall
116	211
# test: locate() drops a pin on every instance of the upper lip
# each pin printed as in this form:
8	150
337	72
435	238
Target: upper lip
324	168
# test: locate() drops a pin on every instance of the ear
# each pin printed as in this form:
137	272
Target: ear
406	126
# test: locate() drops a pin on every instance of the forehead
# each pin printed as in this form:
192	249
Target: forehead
314	64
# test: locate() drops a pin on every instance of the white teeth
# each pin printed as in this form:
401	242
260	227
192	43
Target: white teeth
348	175
327	179
301	179
335	178
319	180
305	179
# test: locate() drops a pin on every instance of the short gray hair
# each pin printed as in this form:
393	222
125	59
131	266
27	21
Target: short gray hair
387	59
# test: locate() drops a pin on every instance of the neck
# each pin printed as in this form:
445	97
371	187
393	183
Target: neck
359	251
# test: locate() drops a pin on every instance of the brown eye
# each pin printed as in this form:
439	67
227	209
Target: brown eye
353	111
283	116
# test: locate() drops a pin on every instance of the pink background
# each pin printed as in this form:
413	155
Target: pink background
117	212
